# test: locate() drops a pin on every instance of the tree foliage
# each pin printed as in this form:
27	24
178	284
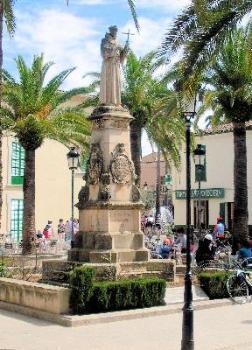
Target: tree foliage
9	17
200	30
32	108
229	79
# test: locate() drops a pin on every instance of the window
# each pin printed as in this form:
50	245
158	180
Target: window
16	219
17	164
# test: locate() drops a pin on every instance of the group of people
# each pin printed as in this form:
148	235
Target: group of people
203	249
63	232
167	247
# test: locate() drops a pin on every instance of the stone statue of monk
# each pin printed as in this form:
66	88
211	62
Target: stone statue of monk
113	55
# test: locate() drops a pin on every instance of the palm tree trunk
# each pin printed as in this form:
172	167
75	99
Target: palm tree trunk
135	143
240	226
29	202
1	133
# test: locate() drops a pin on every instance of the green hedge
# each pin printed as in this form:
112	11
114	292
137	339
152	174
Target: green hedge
81	284
88	296
214	284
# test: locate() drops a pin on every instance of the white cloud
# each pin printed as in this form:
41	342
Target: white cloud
150	35
73	41
64	38
168	5
89	2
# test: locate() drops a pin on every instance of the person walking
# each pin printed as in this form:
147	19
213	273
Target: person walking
68	230
61	230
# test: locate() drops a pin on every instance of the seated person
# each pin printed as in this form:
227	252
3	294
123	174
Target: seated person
206	250
149	221
165	248
181	239
245	251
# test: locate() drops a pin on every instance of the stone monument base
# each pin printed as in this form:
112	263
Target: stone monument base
58	270
109	233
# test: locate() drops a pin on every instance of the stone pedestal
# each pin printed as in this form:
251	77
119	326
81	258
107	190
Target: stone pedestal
109	203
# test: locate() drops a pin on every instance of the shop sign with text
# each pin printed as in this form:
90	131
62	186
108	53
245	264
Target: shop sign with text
203	193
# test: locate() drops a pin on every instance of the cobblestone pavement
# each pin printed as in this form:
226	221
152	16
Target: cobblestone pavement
222	328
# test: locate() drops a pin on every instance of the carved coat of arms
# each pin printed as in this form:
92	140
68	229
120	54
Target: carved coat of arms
95	165
122	169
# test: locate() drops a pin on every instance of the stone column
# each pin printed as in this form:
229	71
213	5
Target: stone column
109	203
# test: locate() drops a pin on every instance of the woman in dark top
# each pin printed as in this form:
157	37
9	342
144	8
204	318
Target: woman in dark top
205	251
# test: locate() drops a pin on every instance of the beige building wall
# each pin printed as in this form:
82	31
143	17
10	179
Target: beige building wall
53	185
219	170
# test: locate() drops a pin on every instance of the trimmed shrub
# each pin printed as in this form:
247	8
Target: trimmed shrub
81	284
92	297
127	294
214	284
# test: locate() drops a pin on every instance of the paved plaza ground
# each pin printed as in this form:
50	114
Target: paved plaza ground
222	328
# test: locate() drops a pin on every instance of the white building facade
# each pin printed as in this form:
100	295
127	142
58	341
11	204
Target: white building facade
216	196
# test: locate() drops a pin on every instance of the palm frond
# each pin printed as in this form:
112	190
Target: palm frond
30	105
9	16
201	29
134	13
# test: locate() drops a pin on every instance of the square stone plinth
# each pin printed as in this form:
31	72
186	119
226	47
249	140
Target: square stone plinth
107	220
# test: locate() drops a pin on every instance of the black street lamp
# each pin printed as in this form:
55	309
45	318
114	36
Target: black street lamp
187	342
73	162
199	155
158	188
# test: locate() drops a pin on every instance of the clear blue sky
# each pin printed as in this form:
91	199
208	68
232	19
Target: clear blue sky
70	35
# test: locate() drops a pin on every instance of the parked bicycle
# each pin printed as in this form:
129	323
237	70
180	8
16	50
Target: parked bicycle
239	284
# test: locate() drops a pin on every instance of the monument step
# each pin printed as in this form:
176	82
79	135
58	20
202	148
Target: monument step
151	265
143	274
120	255
108	256
180	269
58	270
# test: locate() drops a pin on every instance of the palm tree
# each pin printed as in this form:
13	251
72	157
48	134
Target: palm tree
31	112
153	106
231	100
6	13
200	30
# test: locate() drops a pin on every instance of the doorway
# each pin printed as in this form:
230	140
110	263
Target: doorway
201	214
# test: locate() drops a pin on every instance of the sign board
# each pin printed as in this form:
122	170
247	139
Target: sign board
203	193
167	179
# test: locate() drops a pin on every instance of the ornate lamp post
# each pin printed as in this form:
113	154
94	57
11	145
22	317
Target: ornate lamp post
73	162
199	155
187	342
